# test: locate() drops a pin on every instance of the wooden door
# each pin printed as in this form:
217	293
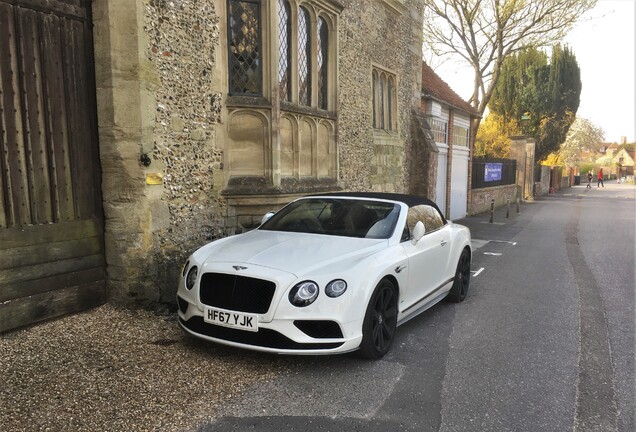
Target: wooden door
51	223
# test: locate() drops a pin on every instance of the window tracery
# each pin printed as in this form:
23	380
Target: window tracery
384	100
282	94
244	45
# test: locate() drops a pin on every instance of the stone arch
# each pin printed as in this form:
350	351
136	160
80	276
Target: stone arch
326	151
288	146
306	147
249	148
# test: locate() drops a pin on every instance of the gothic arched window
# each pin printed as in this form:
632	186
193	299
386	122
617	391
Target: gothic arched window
323	58
284	50
384	100
304	57
244	48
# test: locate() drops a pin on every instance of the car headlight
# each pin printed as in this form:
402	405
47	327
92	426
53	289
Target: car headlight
335	288
192	277
304	293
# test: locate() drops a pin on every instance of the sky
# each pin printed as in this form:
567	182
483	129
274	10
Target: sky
604	44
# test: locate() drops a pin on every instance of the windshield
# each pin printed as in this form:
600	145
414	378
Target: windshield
341	217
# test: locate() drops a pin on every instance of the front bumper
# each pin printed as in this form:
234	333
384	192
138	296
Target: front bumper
279	336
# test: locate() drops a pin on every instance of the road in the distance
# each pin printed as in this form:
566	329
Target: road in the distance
543	342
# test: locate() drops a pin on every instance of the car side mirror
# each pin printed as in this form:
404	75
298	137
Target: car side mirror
418	232
267	216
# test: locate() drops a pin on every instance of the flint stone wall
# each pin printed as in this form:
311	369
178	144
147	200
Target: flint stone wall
161	89
372	33
159	95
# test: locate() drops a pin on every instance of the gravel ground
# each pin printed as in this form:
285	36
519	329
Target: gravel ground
113	369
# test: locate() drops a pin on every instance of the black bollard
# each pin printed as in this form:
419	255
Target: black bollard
508	209
492	210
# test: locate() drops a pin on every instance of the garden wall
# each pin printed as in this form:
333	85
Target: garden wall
481	198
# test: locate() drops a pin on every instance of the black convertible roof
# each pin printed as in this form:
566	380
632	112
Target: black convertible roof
409	200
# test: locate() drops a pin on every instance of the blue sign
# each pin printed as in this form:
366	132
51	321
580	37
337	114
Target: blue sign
492	172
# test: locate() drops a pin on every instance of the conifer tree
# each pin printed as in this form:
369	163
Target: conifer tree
484	33
540	95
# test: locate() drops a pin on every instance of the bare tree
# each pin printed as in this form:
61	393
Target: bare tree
485	32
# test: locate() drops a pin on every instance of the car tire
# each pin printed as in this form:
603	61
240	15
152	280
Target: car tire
380	321
461	282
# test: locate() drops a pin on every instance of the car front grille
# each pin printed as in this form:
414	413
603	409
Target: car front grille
263	337
237	293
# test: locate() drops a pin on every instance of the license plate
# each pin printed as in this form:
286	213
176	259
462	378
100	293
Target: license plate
231	319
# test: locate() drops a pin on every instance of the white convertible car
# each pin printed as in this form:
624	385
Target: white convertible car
326	274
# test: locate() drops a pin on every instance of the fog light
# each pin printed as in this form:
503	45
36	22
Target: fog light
303	294
335	288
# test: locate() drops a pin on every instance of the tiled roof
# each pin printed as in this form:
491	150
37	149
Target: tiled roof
433	87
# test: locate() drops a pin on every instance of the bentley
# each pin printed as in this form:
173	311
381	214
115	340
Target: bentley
328	273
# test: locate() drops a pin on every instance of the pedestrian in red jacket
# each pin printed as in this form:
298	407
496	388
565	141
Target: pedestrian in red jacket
600	178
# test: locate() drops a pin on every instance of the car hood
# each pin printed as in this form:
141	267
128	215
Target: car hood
295	253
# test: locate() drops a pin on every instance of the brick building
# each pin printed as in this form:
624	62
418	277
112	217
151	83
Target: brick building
450	119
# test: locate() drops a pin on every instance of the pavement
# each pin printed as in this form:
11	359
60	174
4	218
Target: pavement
111	369
506	222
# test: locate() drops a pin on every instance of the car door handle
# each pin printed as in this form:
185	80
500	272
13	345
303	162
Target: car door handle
443	242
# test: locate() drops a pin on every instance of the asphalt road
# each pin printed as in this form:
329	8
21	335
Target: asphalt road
543	342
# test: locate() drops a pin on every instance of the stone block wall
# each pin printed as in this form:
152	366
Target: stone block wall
482	198
386	162
522	149
543	186
423	157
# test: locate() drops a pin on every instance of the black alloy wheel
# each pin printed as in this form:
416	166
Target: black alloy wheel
462	279
380	321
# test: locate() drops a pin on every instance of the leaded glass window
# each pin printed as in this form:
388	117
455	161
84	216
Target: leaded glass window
389	104
284	47
304	57
375	99
381	93
244	46
323	55
384	99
